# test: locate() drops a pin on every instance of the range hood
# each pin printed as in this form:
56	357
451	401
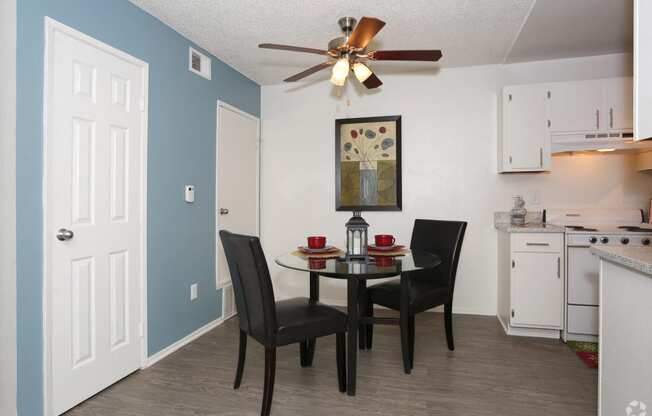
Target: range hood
600	141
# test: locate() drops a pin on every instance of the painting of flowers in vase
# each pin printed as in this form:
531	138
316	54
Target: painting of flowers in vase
368	164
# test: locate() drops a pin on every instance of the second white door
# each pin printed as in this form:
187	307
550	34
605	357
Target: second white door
237	180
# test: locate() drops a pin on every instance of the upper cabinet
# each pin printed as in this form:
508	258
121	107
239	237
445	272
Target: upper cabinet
591	106
541	119
525	141
642	69
618	104
575	106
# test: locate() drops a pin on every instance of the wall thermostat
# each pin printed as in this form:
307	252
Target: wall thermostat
190	193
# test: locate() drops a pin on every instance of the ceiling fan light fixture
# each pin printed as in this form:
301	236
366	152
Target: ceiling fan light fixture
340	71
361	71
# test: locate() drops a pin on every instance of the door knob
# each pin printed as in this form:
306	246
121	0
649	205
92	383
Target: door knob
224	211
64	235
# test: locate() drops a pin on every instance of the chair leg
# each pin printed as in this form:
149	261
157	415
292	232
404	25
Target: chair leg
303	353
270	371
448	323
405	342
340	351
370	328
241	359
411	339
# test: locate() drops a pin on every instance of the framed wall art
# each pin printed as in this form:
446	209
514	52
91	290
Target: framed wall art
368	164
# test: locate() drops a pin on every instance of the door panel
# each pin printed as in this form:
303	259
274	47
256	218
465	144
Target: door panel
577	107
525	128
537	295
94	162
619	103
237	179
583	276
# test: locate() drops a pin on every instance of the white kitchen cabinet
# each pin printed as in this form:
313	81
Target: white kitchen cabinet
642	69
525	141
618	104
537	296
531	283
577	106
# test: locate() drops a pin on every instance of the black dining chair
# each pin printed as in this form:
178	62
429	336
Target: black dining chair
421	290
272	323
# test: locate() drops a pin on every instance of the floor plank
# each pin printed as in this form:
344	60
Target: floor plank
489	373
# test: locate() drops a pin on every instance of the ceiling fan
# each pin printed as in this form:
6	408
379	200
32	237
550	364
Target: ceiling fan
349	53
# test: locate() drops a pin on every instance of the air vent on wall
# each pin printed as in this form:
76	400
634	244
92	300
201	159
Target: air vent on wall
199	63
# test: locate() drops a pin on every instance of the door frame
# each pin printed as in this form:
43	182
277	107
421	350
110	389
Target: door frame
226	106
51	26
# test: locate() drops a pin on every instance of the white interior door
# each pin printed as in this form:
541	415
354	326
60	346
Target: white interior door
237	180
95	170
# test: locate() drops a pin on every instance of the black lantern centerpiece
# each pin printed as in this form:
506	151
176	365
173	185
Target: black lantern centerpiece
356	237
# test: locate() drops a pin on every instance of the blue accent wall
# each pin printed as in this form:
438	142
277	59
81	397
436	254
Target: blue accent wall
182	122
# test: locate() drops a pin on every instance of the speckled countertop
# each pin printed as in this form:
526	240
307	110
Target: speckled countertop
637	258
534	224
529	228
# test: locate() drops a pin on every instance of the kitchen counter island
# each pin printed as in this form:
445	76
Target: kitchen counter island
625	329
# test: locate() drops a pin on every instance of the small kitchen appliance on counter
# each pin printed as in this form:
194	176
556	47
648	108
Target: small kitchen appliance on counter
586	228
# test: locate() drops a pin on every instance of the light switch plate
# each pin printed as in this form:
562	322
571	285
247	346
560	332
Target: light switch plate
193	291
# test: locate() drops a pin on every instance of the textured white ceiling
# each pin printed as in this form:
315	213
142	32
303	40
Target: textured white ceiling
571	28
469	32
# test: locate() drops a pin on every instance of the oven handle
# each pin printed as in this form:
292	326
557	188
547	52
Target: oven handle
574	246
538	244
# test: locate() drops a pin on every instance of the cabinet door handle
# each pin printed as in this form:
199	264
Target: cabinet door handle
541	157
538	244
597	119
611	118
558	267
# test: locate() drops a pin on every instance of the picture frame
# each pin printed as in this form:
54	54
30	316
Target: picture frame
368	168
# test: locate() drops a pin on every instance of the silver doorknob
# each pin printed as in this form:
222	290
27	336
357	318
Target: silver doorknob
64	235
224	211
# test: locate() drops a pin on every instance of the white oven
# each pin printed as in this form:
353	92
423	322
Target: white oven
585	228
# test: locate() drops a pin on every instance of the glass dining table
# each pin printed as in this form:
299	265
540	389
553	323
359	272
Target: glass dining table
356	273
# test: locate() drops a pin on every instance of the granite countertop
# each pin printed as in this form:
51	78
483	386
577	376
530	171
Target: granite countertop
637	258
531	227
533	224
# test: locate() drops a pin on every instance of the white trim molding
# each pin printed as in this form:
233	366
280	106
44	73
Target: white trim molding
8	381
52	26
183	342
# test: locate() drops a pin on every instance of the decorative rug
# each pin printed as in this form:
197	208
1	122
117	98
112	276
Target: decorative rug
587	351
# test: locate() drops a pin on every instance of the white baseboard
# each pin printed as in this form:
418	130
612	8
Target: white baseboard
183	342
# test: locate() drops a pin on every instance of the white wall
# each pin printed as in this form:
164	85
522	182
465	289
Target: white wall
8	207
449	165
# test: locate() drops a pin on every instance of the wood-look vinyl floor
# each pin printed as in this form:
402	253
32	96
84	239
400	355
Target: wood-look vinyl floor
489	373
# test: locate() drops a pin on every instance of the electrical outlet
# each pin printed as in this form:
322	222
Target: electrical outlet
193	291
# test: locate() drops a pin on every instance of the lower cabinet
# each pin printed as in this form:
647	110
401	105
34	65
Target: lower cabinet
531	283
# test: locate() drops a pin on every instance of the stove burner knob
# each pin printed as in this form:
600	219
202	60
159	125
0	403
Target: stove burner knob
604	240
593	240
646	241
624	240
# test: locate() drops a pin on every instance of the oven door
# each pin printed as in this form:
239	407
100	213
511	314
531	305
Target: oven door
583	276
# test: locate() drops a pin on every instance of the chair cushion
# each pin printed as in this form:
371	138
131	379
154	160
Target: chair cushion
426	291
299	319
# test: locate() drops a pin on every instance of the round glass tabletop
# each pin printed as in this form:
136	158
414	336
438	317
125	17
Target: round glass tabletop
373	268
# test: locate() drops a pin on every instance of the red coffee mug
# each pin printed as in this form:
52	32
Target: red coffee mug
317	242
384	240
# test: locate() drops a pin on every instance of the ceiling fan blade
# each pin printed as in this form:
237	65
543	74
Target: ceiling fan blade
364	31
292	48
372	82
309	71
419	55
